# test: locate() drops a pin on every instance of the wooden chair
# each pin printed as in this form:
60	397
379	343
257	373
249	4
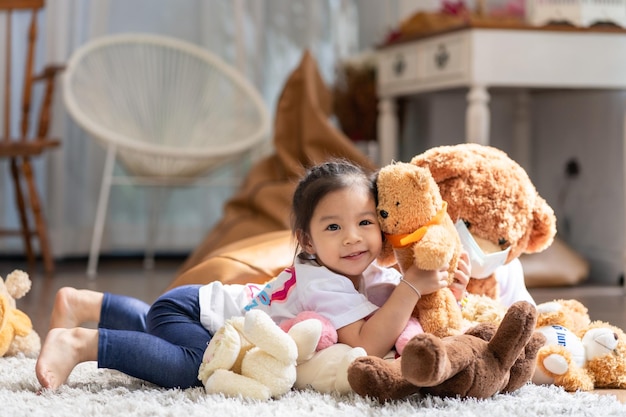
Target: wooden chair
20	143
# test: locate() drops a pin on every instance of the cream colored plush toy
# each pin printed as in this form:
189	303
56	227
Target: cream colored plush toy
16	329
252	357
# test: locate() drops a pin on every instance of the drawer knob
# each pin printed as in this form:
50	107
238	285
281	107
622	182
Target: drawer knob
399	65
441	56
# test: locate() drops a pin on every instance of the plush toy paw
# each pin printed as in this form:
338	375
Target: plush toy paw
312	332
555	364
221	353
432	368
231	384
374	377
326	336
524	367
412	329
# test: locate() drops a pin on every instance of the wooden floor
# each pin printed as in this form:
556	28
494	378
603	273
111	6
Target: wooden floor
127	276
119	275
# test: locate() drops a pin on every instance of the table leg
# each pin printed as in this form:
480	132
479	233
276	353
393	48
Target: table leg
521	130
624	191
387	130
477	118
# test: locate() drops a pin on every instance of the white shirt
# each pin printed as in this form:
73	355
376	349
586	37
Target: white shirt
510	278
306	286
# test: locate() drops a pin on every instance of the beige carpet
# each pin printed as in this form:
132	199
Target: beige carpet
93	392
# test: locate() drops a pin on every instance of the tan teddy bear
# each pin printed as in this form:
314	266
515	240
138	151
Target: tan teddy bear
418	230
497	202
579	354
16	330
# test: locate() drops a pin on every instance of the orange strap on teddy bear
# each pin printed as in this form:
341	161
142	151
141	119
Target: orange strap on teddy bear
406	239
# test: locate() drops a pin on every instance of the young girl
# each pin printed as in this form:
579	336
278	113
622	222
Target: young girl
335	223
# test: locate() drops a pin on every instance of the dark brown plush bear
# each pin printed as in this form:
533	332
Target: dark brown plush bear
479	363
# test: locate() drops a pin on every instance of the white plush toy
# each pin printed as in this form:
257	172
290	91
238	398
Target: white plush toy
251	357
327	370
254	358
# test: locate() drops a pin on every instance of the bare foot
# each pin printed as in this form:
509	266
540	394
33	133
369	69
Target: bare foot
62	350
74	307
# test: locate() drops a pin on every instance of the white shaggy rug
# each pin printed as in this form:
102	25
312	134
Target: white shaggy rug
94	392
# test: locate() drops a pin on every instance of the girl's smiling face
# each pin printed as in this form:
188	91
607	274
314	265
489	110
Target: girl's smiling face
344	233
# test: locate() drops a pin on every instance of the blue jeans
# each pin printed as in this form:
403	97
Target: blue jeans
163	343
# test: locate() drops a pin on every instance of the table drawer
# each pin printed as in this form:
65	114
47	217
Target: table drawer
424	63
398	65
445	58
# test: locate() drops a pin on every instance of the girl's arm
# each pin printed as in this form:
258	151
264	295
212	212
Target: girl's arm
379	332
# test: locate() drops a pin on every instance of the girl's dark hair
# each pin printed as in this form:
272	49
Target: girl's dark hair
320	180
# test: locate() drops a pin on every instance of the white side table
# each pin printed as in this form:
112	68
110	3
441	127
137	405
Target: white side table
478	58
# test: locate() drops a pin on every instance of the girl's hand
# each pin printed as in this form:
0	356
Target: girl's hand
461	276
426	282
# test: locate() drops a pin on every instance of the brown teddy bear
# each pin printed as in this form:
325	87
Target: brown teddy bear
487	359
498	204
579	354
418	230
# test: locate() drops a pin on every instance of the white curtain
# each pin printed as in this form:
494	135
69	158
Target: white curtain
263	38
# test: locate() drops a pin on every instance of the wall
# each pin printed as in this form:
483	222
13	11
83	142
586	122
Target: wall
582	126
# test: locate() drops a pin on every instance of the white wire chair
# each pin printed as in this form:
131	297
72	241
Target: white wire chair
168	111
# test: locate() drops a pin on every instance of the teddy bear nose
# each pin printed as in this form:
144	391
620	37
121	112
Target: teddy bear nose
384	214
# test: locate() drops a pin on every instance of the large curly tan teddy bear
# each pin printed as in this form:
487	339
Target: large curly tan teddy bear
419	231
493	195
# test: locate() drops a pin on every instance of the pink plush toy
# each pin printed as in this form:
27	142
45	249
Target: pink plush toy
329	333
412	329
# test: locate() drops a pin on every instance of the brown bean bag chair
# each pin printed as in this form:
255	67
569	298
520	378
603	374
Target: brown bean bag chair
255	259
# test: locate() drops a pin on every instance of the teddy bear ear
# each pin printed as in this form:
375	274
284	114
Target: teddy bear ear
544	227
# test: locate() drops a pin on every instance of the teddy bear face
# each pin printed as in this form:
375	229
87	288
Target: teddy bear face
606	354
495	219
493	195
408	198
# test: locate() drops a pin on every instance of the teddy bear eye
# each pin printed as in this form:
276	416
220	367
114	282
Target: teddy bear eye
467	224
384	214
502	241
